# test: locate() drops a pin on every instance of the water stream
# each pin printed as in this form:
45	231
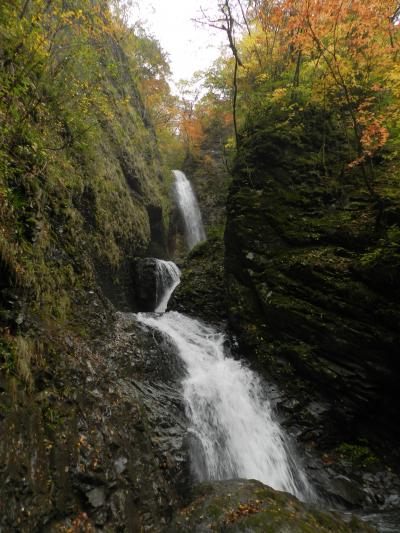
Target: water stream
235	434
231	422
234	431
189	209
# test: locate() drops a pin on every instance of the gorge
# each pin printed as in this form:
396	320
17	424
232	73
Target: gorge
230	419
215	347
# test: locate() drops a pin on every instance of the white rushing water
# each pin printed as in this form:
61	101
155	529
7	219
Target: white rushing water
189	209
168	278
234	431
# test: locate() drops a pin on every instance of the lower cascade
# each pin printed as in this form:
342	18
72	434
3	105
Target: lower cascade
234	433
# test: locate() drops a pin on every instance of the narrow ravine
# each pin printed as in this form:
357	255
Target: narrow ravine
234	433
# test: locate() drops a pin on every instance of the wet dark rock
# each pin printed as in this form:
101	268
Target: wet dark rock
348	490
151	278
108	453
307	293
158	237
145	280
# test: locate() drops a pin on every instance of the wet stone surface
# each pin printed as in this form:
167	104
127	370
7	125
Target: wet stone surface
114	456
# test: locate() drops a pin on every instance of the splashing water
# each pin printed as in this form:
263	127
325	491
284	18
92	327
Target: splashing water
234	432
189	209
168	278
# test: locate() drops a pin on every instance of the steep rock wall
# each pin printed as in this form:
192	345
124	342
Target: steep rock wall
201	292
313	283
82	194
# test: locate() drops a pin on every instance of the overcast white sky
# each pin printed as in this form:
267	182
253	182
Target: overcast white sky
190	47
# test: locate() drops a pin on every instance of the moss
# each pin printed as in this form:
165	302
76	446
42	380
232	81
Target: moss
358	455
8	358
202	288
247	505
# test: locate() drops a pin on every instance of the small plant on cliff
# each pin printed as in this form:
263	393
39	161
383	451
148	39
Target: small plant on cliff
359	455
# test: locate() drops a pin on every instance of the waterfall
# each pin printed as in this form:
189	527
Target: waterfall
167	279
234	432
231	422
189	209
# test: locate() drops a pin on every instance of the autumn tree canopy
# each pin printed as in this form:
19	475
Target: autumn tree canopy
342	55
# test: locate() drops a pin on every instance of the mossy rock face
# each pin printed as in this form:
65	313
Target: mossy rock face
82	194
201	292
80	214
250	506
96	443
313	284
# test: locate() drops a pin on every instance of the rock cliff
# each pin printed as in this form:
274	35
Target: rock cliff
82	194
313	275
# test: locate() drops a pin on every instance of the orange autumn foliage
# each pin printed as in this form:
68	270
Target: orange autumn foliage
192	131
354	46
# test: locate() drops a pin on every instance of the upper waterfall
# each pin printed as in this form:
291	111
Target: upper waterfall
189	209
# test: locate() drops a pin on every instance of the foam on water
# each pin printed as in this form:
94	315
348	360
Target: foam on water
235	434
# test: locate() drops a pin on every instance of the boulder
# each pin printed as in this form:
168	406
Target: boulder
201	292
248	505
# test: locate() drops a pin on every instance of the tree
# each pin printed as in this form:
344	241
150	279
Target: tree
226	20
340	54
356	42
